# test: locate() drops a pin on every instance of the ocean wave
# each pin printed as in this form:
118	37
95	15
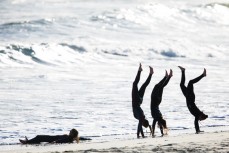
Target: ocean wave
223	4
151	14
27	51
218	117
179	128
114	52
24	29
74	47
32	22
170	53
44	53
60	54
213	13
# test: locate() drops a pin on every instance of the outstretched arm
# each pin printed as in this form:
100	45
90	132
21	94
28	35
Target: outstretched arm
161	129
140	130
151	132
153	127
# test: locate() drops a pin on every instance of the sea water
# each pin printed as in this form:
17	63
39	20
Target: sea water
71	63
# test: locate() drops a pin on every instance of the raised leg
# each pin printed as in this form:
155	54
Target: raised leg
197	79
163	84
182	86
168	78
135	94
146	83
41	138
163	80
137	78
193	81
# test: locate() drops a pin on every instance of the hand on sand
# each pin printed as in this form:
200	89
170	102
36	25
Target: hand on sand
182	69
140	137
198	132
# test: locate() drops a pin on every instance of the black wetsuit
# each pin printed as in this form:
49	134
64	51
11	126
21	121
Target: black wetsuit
156	98
137	98
47	138
188	92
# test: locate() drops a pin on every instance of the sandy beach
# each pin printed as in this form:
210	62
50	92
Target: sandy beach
205	142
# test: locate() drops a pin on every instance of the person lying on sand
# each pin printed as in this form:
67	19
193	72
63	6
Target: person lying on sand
156	97
188	92
137	98
72	136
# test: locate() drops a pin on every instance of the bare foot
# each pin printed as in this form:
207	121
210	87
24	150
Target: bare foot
205	73
24	141
140	67
203	116
171	73
166	73
182	69
150	70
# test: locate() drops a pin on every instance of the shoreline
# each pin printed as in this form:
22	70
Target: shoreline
204	142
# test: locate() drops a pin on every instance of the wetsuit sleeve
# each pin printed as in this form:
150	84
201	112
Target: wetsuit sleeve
137	78
84	138
143	87
182	86
196	79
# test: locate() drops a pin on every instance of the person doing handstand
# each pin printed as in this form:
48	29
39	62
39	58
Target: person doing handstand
137	98
188	92
156	98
